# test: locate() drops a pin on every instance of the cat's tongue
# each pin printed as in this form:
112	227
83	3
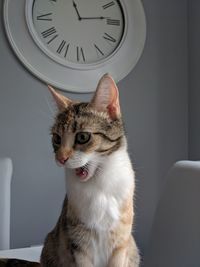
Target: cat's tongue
82	173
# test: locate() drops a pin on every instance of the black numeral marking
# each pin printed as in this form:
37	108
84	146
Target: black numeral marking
115	22
98	50
109	38
53	38
66	50
45	17
108	5
61	46
48	32
80	53
53	0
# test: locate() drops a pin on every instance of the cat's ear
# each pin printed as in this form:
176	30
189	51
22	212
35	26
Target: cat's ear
106	97
62	102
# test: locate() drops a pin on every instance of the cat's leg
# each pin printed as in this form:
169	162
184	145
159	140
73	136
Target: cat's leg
119	258
125	256
133	254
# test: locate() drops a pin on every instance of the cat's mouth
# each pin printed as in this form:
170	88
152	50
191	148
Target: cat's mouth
83	173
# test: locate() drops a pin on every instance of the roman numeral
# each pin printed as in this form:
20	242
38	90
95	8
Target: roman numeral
61	46
48	32
45	17
115	22
66	50
108	5
109	38
80	53
98	50
53	38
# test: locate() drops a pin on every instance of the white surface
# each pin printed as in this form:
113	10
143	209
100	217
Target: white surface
5	181
30	254
82	77
175	236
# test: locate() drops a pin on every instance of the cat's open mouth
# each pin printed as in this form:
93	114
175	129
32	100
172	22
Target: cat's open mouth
83	172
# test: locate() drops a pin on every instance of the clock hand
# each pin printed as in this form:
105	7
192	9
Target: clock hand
77	12
87	18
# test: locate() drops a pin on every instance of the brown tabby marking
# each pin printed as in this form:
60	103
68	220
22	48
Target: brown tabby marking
107	134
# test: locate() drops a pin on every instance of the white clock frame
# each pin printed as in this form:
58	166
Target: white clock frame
77	78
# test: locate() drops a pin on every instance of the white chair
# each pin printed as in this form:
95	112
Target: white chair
175	236
31	253
5	182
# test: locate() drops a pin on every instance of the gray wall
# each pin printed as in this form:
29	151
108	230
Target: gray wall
194	78
154	100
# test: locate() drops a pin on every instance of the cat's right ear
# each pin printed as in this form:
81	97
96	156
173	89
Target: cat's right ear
62	102
106	97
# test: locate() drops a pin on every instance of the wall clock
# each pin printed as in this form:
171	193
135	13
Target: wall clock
72	43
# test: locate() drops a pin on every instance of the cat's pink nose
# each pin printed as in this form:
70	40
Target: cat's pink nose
63	160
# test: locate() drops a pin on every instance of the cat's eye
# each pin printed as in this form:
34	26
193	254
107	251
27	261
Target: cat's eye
82	138
56	139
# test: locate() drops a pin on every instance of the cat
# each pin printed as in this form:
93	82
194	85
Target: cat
95	225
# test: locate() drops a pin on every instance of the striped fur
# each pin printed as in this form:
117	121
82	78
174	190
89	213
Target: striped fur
106	134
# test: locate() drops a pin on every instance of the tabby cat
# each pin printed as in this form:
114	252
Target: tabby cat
95	225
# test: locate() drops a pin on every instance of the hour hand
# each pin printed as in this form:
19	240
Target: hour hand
77	12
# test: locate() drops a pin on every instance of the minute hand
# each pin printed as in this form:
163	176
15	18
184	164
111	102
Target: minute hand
87	18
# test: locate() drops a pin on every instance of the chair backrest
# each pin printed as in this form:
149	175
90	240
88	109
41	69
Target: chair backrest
5	182
175	236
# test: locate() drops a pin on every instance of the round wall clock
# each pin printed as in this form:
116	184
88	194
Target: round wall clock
72	43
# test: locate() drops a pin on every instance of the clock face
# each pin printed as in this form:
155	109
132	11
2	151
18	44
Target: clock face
78	31
70	44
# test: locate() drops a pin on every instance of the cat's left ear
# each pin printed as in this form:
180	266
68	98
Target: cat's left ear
62	102
106	98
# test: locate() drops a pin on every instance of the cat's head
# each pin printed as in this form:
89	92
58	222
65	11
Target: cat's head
86	133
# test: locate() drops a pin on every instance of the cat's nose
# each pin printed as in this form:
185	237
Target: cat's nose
63	160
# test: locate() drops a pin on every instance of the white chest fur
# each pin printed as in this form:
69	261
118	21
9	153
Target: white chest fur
98	200
101	250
